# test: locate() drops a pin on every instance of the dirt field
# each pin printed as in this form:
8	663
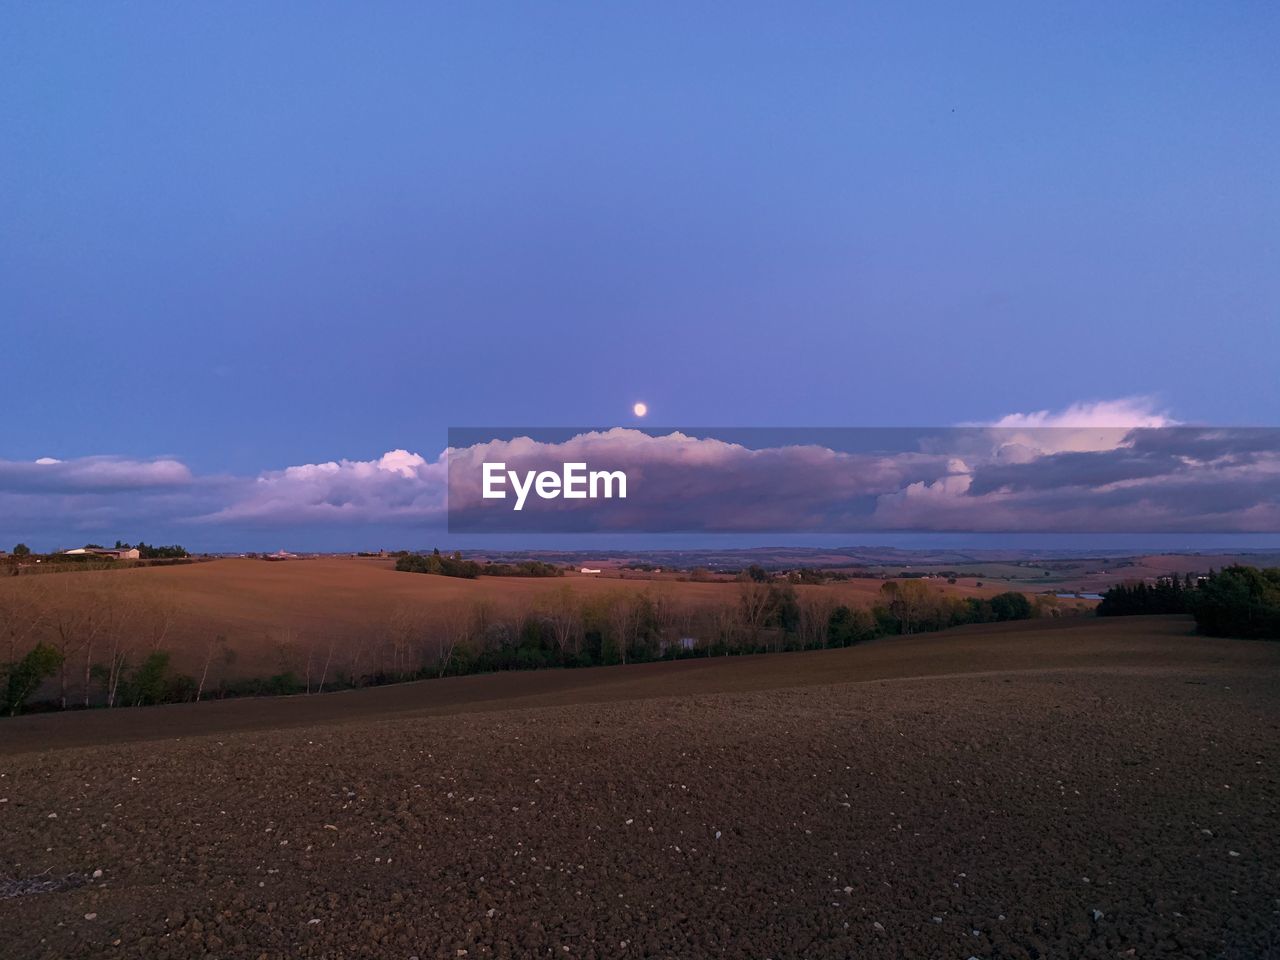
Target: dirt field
1076	789
255	604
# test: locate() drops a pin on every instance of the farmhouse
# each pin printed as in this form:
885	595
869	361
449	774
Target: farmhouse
129	554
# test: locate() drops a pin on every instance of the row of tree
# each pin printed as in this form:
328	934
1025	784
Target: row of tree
145	550
114	647
104	647
1237	601
454	565
1167	595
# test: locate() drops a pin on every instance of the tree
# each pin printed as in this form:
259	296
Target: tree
406	630
725	622
75	627
755	605
1011	606
622	628
456	629
564	613
148	682
784	607
1166	595
219	642
847	626
21	616
906	604
25	677
148	552
1239	601
103	613
22	550
816	610
324	674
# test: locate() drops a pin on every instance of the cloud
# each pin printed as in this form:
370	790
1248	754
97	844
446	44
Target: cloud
681	482
1094	425
1047	476
1118	466
91	474
1168	479
69	501
397	487
1127	413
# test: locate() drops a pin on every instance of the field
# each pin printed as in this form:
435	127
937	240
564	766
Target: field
1077	788
275	615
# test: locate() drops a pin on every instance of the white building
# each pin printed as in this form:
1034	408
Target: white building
129	554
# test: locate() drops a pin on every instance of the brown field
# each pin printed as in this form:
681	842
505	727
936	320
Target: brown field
1076	788
257	604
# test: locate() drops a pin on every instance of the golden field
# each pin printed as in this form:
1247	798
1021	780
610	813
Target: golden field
272	615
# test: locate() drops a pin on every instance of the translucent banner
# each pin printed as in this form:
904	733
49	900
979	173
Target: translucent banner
857	479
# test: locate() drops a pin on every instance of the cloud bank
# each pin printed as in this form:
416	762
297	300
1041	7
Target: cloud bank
1116	467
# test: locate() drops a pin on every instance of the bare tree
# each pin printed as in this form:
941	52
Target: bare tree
622	623
96	622
727	624
816	607
129	620
216	642
457	626
355	653
564	614
907	600
664	617
755	603
328	659
684	617
23	614
285	641
71	622
405	629
156	618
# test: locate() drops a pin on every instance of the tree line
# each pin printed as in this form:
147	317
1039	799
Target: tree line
23	560
115	647
454	565
105	648
1237	601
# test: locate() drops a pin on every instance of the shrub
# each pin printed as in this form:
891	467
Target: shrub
1011	606
25	676
848	626
148	682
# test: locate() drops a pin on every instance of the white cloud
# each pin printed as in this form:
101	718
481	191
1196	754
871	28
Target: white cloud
90	474
1126	412
397	487
1079	468
1089	426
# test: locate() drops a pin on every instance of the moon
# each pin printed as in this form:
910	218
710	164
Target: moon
640	409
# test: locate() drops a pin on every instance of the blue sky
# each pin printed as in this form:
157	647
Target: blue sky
249	237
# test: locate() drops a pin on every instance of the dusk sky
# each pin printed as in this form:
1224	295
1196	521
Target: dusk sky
242	239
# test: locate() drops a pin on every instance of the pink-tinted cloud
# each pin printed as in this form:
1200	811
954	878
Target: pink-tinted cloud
397	487
679	482
1076	471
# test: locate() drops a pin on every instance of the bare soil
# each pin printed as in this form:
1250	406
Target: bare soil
1084	789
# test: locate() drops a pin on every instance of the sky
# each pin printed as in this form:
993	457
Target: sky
238	241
